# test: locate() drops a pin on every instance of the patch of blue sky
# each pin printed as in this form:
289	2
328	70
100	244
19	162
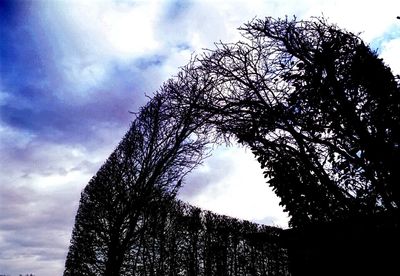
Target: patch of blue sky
12	11
176	8
392	33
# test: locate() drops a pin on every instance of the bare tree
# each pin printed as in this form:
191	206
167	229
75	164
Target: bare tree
165	142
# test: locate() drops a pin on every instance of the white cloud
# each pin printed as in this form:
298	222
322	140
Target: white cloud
108	29
83	76
90	38
231	183
371	18
130	31
41	185
10	135
390	53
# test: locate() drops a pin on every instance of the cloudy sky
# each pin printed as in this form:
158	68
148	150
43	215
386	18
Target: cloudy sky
72	70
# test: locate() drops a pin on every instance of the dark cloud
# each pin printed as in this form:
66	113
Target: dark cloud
24	48
60	119
42	112
41	99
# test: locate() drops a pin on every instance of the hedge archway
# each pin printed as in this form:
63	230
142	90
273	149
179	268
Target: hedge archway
317	107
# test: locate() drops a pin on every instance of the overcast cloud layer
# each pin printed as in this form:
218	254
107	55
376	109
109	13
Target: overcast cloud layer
72	70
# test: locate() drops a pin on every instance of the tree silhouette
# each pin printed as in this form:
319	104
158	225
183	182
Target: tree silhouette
319	110
149	163
175	238
128	222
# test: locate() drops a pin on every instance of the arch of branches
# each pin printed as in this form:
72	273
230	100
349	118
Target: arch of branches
315	105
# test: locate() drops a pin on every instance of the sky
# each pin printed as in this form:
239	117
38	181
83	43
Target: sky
71	72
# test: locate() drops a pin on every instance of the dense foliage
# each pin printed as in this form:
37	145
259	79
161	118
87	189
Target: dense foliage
178	239
320	111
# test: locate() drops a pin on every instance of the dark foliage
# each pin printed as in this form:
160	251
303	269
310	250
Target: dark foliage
180	239
365	245
320	112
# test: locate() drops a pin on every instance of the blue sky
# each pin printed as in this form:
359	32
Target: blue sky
72	71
